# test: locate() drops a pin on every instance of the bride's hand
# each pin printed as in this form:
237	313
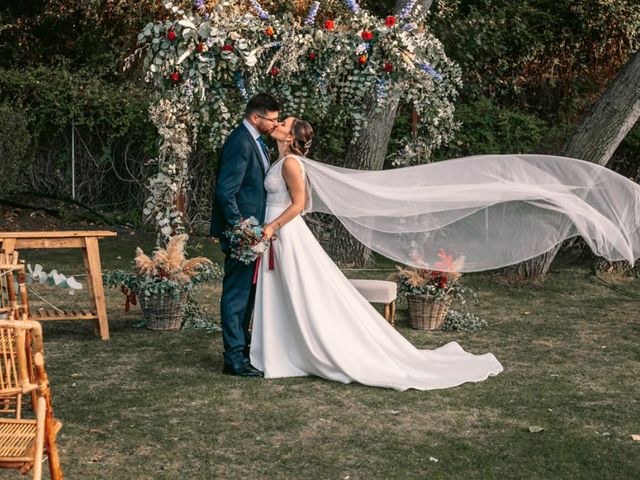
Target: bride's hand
268	231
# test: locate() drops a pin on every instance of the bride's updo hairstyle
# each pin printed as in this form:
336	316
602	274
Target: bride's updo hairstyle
302	137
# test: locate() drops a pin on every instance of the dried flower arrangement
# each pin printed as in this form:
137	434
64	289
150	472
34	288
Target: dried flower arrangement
167	271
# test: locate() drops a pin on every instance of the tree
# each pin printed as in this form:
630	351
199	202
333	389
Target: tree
367	152
594	140
606	125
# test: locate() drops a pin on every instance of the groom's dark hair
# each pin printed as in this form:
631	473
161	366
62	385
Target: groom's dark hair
261	103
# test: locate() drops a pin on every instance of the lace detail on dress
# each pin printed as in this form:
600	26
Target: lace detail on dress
276	187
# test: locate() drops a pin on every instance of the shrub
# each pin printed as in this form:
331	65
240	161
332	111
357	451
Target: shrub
114	137
15	146
489	128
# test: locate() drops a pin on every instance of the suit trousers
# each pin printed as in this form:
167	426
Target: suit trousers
236	308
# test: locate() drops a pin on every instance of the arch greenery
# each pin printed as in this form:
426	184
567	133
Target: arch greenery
326	65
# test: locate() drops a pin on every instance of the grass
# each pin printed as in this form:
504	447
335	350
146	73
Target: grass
154	405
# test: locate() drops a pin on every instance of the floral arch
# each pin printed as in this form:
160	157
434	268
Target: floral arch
326	65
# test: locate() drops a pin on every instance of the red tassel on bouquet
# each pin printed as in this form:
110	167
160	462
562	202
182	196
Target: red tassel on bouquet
272	256
255	270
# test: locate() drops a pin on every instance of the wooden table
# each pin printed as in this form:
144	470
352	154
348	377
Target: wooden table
88	242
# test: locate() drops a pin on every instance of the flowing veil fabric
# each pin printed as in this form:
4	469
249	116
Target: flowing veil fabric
493	210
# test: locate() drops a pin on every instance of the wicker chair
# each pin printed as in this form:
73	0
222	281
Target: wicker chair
12	274
24	441
13	306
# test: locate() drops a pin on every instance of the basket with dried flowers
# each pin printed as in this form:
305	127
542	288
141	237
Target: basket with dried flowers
429	292
162	282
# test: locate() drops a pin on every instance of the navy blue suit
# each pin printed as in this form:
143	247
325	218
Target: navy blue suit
239	193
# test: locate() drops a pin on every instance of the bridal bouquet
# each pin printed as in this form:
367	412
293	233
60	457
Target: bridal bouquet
246	239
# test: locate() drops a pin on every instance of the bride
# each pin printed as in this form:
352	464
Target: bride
310	320
496	210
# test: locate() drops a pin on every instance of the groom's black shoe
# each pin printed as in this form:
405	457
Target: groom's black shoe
253	369
241	370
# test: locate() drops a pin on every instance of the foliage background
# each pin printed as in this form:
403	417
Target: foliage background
531	69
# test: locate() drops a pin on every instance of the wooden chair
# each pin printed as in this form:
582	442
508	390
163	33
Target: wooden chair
13	306
24	441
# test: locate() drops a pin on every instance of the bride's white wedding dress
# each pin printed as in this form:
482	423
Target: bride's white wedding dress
310	320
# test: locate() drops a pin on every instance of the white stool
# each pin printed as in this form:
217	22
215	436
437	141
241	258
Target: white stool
379	291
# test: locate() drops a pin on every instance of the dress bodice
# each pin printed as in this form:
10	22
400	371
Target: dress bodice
276	187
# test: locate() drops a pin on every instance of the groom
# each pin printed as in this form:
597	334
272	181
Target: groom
240	194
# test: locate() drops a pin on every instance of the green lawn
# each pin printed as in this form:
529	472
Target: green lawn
155	405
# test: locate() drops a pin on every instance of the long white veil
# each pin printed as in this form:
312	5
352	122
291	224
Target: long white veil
493	210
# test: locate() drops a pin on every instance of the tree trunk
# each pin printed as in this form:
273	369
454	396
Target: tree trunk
617	270
606	125
595	140
533	270
367	152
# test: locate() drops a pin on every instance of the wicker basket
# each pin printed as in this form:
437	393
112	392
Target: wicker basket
162	311
425	314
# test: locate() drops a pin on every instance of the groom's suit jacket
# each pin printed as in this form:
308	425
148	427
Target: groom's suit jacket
239	191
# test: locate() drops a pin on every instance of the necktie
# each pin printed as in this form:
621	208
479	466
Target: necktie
265	151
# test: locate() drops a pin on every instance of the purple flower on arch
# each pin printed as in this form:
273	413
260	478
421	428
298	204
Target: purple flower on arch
353	5
313	11
262	13
427	68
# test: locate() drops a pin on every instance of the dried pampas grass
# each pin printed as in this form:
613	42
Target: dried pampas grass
170	261
191	266
413	277
175	252
144	265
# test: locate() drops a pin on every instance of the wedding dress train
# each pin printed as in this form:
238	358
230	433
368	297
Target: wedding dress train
310	320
